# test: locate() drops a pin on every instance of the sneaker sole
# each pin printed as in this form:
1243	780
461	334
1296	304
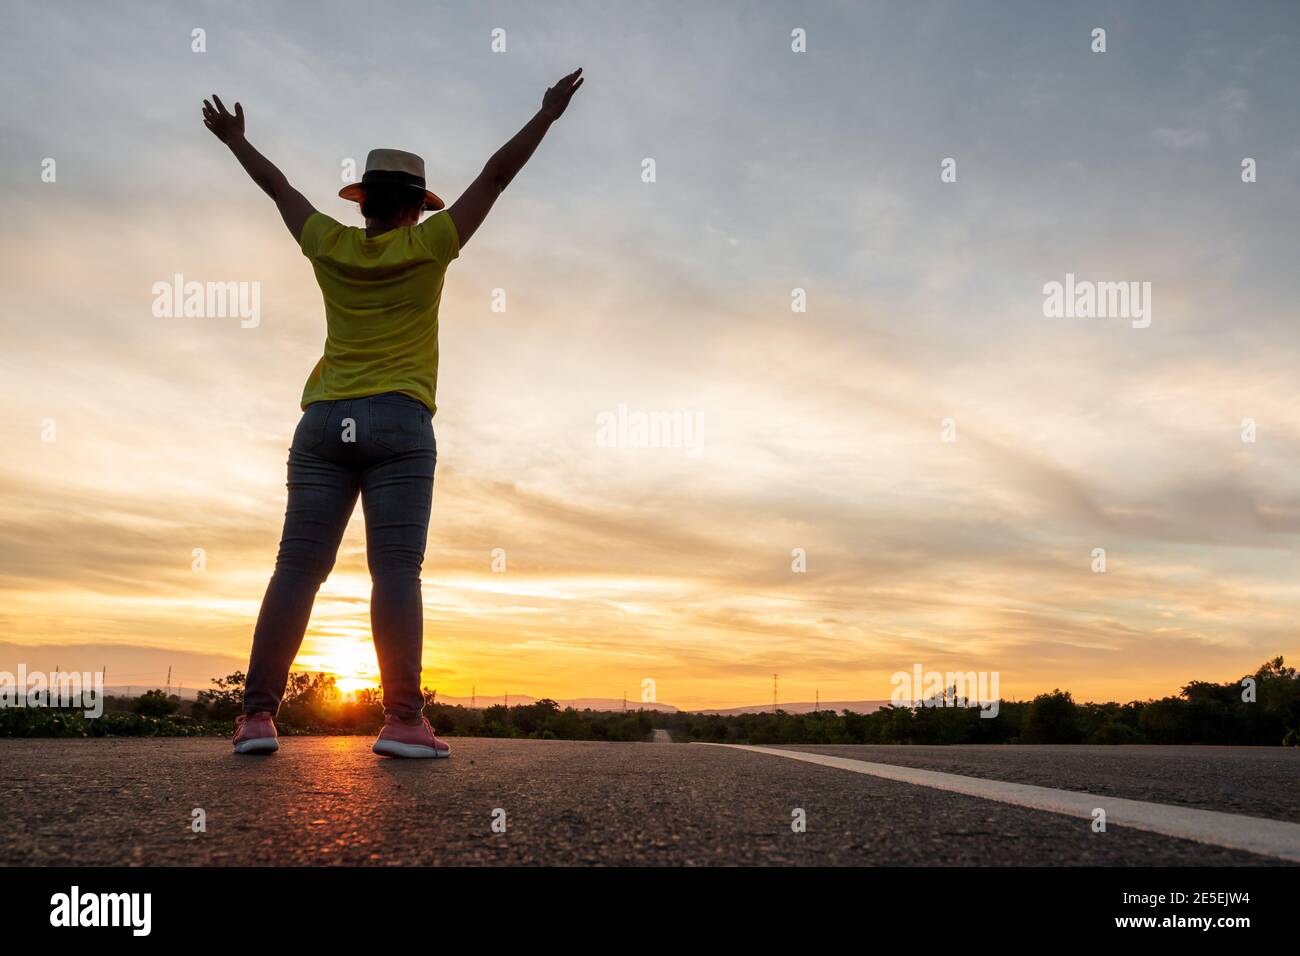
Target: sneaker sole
258	745
391	748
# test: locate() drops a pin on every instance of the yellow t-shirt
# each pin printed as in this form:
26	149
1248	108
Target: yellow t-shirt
381	307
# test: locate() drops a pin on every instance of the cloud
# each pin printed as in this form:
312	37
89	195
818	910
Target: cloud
1180	138
822	430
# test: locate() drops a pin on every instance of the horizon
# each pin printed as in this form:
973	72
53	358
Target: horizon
809	516
628	702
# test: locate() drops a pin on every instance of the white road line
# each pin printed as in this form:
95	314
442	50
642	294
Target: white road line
1275	838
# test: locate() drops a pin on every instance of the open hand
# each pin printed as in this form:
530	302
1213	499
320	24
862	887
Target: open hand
224	126
557	97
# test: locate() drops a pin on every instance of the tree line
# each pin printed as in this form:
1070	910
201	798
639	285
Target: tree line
1259	709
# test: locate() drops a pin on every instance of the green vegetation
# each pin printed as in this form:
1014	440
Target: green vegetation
1203	713
313	705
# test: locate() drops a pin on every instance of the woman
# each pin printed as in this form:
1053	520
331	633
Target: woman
368	406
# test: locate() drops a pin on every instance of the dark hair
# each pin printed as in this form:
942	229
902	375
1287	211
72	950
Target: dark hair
389	201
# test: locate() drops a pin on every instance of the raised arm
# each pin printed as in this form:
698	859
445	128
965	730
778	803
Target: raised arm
469	211
294	207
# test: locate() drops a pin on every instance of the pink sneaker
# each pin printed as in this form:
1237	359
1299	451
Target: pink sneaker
402	740
255	734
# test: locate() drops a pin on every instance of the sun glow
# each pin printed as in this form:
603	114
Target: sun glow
349	661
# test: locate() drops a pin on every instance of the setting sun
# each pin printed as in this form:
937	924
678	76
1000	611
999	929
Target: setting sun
351	662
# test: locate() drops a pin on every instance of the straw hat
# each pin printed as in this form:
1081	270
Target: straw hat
392	166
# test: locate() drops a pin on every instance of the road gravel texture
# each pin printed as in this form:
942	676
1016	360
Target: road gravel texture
329	800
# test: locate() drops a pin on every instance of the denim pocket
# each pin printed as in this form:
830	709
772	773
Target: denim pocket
310	433
399	424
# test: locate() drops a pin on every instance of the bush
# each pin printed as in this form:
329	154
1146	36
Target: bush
154	703
1114	732
1259	709
1052	719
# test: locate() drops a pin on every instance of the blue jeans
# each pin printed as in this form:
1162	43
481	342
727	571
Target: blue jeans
381	447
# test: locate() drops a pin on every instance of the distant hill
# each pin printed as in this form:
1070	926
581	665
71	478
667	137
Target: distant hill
804	707
605	703
184	693
616	704
577	703
586	703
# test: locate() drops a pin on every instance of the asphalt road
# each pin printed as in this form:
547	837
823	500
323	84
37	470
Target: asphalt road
324	800
1255	781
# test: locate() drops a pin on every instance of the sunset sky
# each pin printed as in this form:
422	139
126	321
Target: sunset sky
821	430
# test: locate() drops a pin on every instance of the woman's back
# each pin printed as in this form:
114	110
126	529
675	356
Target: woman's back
364	435
381	307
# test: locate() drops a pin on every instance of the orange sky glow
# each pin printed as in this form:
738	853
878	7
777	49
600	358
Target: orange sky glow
946	457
